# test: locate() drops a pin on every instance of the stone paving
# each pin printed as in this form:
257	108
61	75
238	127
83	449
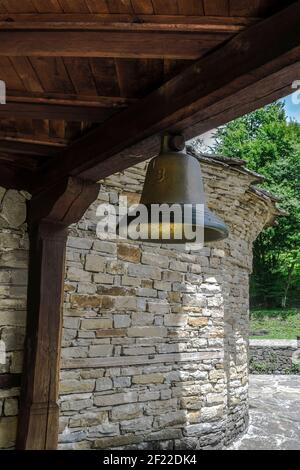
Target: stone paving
274	414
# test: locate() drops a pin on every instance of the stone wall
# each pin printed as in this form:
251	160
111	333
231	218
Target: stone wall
272	356
13	282
155	338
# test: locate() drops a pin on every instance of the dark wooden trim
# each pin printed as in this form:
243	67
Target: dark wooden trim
235	78
64	112
30	148
107	43
130	22
9	381
13	176
68	99
49	215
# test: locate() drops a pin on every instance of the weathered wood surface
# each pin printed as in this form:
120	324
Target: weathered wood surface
236	78
49	216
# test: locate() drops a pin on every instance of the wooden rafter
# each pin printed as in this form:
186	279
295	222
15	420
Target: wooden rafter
221	86
129	22
107	43
56	111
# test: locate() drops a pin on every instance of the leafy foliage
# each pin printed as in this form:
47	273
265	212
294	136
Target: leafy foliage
271	146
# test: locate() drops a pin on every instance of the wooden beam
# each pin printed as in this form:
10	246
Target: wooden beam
122	43
13	176
123	21
48	217
20	146
236	78
21	161
64	112
68	99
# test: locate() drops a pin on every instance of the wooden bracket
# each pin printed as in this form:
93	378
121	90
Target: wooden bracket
49	215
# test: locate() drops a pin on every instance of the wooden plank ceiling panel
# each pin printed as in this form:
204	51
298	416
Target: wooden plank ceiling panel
97	6
105	76
27	74
119	6
52	74
74	6
137	78
48	6
190	7
9	74
216	7
80	72
18	6
165	7
142	7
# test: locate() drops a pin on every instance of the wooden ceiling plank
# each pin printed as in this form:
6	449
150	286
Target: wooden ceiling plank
10	76
165	7
105	76
216	7
190	7
17	6
80	73
220	77
48	44
137	78
52	74
69	99
142	7
74	6
97	6
119	6
27	74
50	6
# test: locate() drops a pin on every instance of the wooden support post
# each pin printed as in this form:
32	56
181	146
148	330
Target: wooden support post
49	216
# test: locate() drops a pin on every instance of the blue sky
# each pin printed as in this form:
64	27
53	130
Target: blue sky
292	110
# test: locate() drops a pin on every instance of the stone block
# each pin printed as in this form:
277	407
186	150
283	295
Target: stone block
137	424
174	418
147	331
148	379
155	260
105	247
10	407
104	383
95	263
126	412
100	350
116	399
8	431
96	323
129	253
76	386
13	208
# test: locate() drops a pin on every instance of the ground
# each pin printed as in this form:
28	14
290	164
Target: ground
275	324
274	414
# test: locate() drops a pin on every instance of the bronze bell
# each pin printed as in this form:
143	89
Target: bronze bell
174	177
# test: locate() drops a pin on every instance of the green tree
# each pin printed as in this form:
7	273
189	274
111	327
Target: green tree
271	146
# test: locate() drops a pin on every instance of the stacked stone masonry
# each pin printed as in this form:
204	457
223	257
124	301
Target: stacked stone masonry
154	352
274	356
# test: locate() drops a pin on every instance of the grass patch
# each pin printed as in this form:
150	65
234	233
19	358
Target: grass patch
280	323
